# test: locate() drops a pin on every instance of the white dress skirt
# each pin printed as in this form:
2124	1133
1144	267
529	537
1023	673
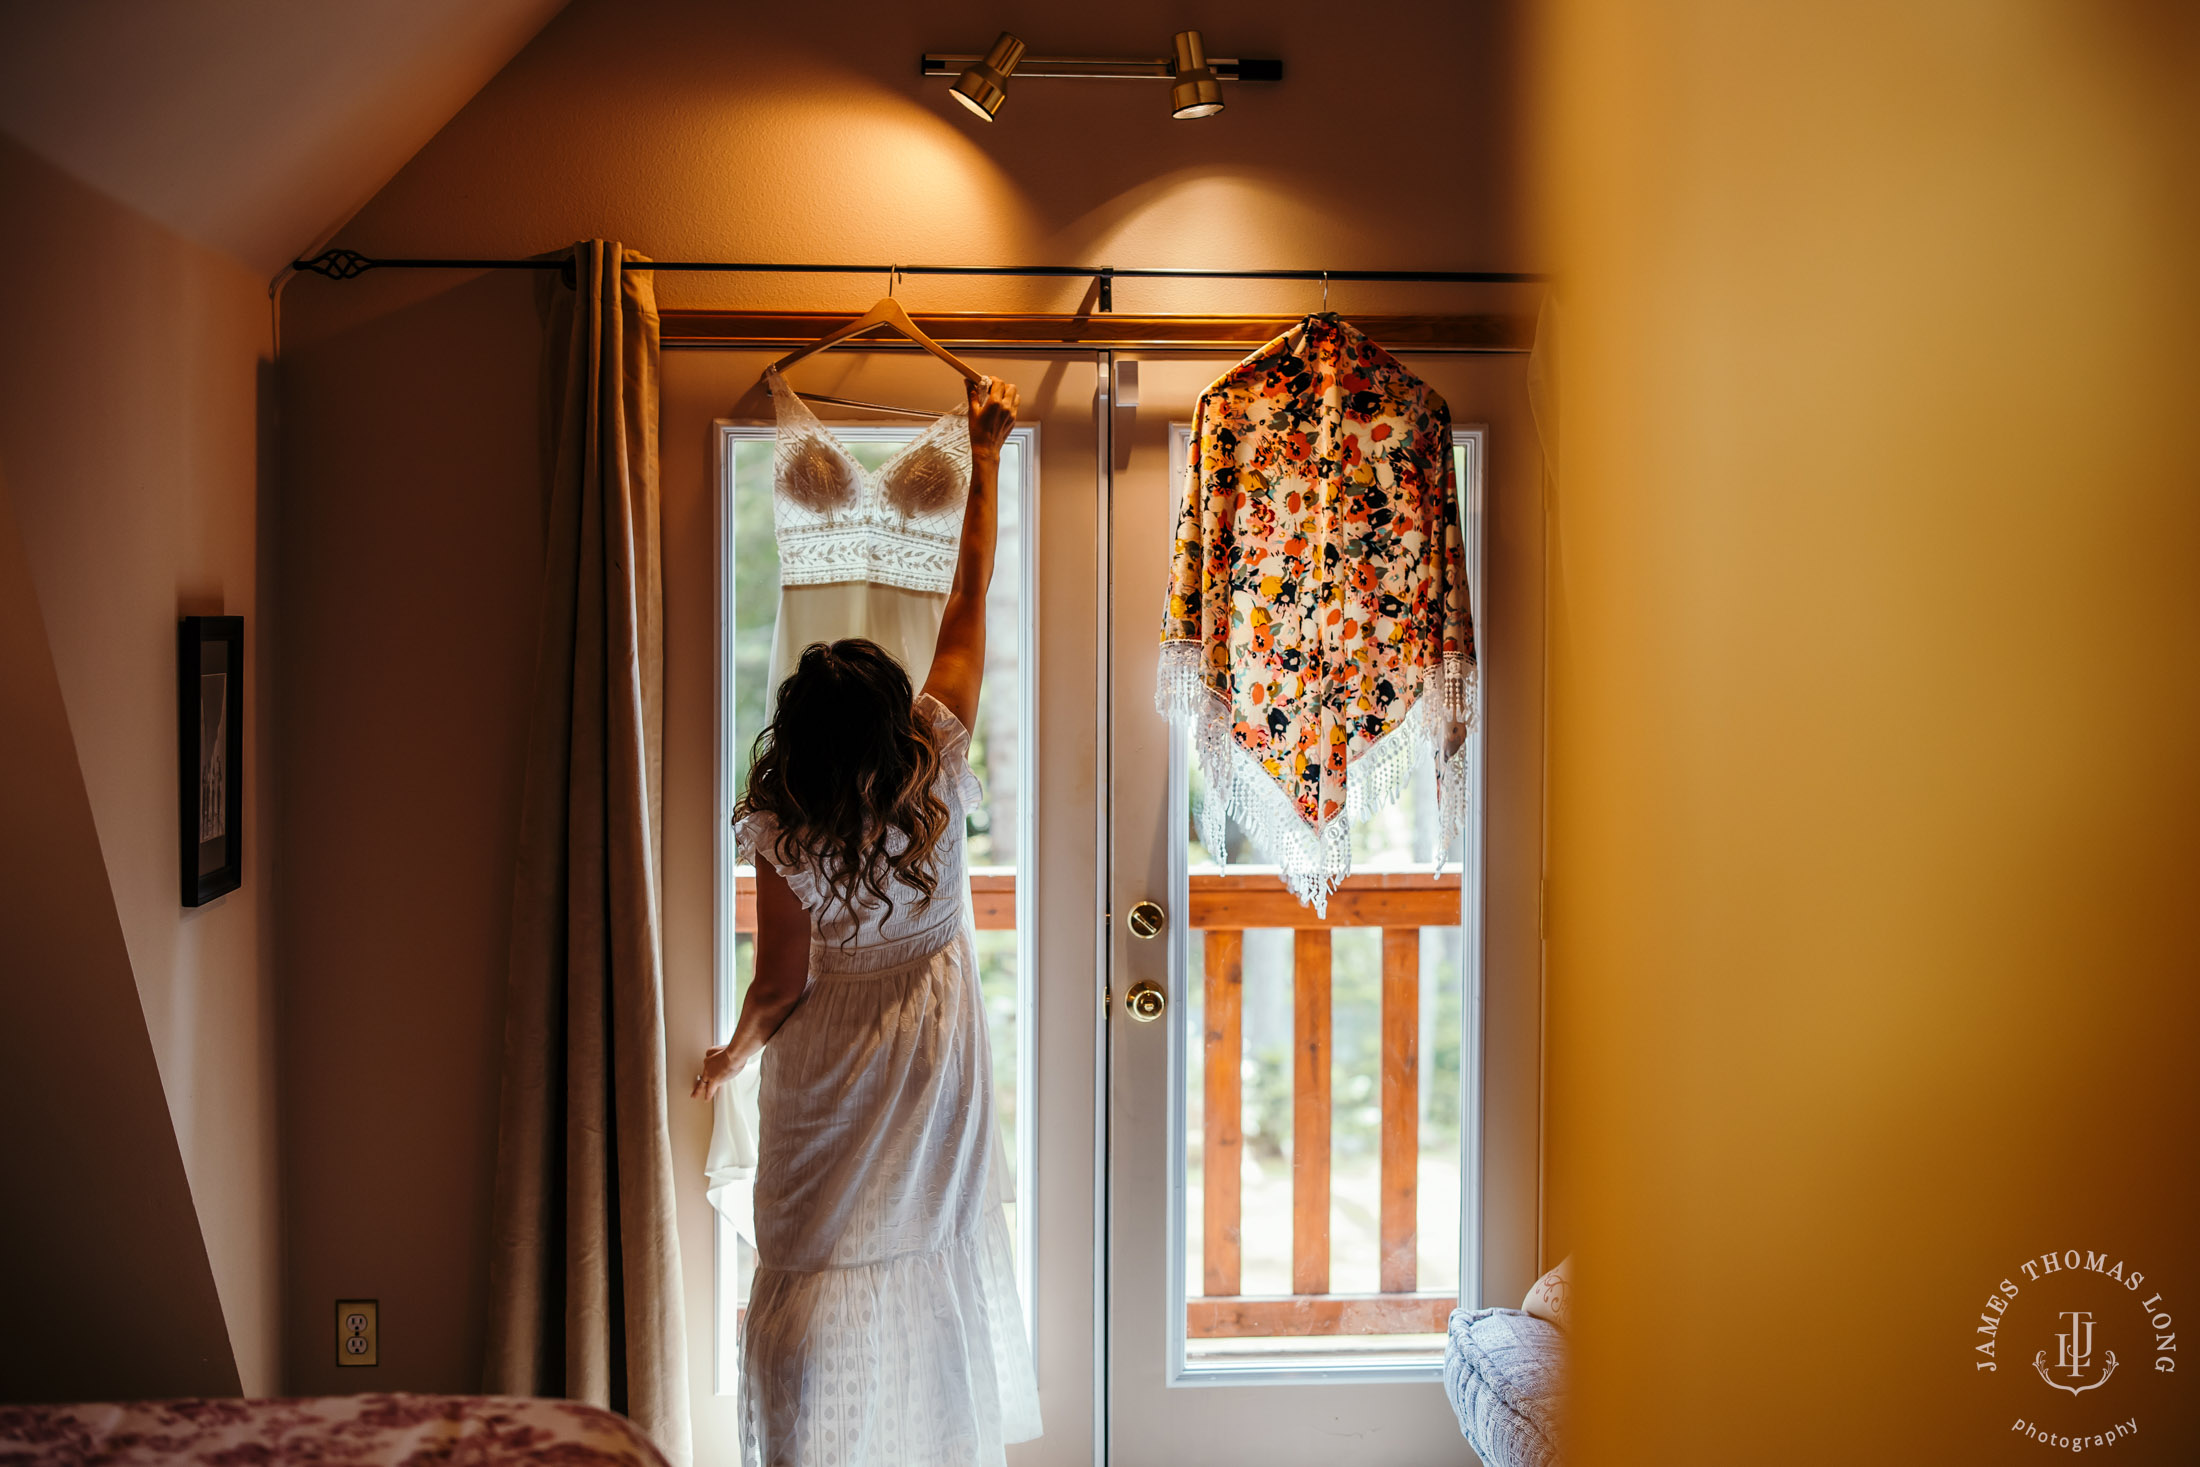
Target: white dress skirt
884	1325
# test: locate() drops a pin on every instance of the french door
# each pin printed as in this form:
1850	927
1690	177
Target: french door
1294	1318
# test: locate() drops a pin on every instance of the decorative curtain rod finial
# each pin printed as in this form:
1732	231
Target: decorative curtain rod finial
336	264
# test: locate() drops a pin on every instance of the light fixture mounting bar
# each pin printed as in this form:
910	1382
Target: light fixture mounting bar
1103	68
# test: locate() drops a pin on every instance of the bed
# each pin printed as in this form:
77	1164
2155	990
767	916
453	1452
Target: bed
327	1431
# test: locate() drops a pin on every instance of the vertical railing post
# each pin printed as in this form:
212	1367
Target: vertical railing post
1222	1208
1399	1224
1310	1111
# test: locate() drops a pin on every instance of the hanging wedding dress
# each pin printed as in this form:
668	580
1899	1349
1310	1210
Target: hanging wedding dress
885	1326
864	553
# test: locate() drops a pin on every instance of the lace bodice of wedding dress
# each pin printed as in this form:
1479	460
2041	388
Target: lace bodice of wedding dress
836	521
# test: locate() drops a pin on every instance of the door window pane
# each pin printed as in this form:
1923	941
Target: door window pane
1322	1170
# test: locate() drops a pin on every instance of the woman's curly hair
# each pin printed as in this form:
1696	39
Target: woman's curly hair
845	761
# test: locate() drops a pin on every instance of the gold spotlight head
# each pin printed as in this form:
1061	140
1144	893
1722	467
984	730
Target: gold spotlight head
1196	92
983	88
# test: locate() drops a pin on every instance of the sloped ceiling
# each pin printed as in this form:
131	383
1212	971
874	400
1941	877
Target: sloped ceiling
253	126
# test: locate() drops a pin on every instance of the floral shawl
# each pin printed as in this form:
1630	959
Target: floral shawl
1318	638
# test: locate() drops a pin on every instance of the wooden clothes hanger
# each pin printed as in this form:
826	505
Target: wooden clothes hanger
887	313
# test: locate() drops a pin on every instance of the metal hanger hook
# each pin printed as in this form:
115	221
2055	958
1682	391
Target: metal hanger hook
893	278
1325	292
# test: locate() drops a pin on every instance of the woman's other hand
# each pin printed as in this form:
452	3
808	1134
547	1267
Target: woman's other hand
992	414
719	1066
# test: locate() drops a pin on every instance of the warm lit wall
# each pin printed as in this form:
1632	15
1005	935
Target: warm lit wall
688	128
1872	936
133	409
105	1290
692	129
411	552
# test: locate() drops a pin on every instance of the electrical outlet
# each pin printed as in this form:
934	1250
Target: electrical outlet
358	1332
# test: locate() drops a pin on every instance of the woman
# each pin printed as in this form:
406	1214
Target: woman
884	1325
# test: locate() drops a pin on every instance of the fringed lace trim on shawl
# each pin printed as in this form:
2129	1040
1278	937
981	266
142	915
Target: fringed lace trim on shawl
1314	860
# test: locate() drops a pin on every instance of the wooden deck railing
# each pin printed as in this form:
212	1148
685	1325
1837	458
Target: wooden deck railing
1223	907
992	898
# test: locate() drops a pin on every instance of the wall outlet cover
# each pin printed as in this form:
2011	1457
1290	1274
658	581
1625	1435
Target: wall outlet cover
358	1332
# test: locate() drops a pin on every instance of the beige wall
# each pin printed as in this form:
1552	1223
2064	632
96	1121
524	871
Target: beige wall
411	551
412	464
788	132
1871	919
104	1285
133	414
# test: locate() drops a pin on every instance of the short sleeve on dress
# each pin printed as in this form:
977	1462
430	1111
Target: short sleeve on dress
953	742
758	831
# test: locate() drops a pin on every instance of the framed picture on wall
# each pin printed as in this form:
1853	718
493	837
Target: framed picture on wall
210	754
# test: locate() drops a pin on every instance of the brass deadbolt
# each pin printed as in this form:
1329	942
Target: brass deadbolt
1147	919
1145	1003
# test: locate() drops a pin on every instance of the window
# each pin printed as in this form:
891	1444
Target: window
1361	1280
999	833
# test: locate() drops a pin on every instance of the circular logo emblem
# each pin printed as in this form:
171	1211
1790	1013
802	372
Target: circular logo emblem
2076	1340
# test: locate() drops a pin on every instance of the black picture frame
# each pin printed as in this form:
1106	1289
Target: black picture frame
210	755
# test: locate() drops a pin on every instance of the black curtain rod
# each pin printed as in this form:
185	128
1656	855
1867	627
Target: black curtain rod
349	264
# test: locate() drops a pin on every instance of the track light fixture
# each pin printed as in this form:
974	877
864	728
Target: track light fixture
1196	93
1195	78
983	87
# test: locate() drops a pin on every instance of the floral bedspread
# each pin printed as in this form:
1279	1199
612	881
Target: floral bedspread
330	1431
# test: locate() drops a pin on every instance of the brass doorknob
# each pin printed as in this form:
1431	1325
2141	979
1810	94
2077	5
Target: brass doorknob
1147	919
1145	1003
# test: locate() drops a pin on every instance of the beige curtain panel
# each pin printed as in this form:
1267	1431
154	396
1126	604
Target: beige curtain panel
585	1272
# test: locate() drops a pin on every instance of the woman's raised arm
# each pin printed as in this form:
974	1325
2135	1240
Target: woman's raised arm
958	661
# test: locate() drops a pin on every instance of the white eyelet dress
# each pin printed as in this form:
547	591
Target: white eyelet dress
884	1326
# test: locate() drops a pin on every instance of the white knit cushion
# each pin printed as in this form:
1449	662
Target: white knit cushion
1502	1371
